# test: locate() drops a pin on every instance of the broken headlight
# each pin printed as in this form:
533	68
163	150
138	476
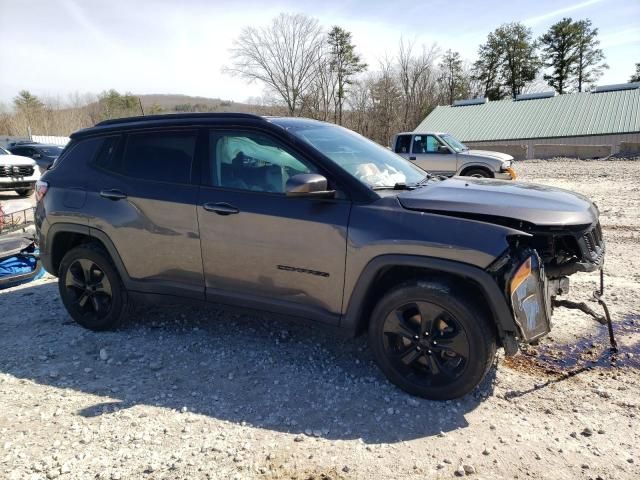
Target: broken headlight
529	299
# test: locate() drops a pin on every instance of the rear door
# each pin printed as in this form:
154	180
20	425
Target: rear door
143	197
432	155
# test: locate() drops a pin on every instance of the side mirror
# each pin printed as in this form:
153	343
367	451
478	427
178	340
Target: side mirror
308	185
443	149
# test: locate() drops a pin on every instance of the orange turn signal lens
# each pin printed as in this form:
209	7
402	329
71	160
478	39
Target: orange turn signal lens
521	275
512	172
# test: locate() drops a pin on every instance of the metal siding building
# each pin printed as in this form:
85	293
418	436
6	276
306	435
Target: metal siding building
596	119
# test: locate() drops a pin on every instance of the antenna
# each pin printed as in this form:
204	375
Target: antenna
140	103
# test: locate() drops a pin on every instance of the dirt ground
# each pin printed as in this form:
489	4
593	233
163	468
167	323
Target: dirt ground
182	393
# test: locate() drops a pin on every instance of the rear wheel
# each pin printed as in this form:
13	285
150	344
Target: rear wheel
91	289
478	173
430	342
25	192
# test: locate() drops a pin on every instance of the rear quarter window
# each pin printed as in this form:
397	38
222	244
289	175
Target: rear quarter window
80	151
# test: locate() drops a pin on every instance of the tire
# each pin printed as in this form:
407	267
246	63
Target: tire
25	192
478	173
91	288
447	363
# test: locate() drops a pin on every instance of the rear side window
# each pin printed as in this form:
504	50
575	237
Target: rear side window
159	156
402	144
82	151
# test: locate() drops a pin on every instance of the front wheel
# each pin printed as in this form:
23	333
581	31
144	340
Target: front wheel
430	342
478	173
91	289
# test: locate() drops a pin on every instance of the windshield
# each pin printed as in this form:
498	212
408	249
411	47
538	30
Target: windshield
367	161
51	151
454	143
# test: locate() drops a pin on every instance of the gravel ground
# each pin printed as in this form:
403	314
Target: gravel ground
186	393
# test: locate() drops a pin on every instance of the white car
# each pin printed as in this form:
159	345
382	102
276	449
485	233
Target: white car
17	173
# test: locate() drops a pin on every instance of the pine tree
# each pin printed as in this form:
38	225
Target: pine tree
590	58
345	63
636	76
559	47
520	63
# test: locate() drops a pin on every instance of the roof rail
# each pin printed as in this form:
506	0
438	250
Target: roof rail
535	95
175	116
470	101
615	87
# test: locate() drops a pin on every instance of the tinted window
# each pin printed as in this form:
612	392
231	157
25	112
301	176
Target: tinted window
403	143
159	156
425	144
106	155
80	152
251	161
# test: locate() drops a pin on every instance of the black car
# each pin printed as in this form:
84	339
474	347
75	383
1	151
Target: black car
43	154
311	220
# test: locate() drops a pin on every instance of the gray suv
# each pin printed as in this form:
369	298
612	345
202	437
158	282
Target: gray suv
443	154
310	220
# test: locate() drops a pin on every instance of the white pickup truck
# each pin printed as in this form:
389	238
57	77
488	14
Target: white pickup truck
442	154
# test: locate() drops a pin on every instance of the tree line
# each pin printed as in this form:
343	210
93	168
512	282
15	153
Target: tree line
311	71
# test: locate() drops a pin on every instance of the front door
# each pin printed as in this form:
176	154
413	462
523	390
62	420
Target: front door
432	155
261	248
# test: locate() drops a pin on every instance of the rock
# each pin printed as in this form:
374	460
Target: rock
442	434
447	461
469	469
104	356
459	472
439	466
486	452
587	432
390	411
346	469
298	438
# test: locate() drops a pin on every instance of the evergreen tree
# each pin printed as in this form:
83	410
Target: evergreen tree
636	76
520	64
590	58
559	47
344	63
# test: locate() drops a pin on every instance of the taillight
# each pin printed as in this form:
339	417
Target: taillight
41	189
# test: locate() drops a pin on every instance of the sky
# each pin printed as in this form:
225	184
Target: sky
58	47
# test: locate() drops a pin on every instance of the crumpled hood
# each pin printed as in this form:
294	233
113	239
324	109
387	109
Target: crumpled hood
488	154
537	204
16	160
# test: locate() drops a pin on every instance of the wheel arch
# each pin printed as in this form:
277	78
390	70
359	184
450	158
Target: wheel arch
62	237
477	166
386	271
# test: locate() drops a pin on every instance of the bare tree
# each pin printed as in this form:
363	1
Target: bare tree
284	56
416	77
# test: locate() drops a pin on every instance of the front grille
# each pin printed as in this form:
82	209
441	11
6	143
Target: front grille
16	170
593	243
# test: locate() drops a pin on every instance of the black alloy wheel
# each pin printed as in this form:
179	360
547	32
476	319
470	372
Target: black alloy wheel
432	339
426	343
91	288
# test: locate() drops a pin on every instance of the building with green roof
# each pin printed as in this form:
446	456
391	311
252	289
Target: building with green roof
599	123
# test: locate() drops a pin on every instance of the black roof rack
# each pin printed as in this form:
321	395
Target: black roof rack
175	116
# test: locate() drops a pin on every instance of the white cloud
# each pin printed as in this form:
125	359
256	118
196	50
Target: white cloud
560	11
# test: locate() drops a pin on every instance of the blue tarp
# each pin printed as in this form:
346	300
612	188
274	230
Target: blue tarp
15	266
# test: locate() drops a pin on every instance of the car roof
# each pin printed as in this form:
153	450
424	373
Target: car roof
422	133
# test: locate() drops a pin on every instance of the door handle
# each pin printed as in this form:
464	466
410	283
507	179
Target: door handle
412	158
113	194
220	208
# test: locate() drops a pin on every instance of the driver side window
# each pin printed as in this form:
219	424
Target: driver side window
425	144
252	161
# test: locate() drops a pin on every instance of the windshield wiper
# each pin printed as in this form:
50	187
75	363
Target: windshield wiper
397	186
